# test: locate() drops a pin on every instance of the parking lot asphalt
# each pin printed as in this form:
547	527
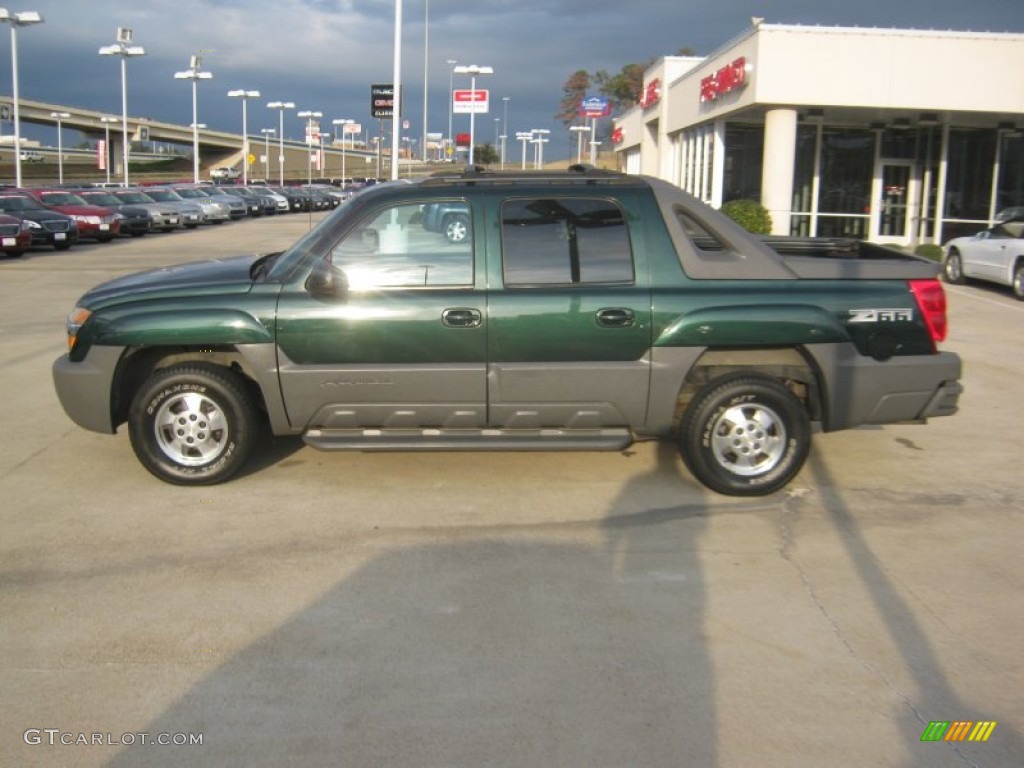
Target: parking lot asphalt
501	609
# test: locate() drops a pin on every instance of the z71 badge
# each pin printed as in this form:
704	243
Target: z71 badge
881	315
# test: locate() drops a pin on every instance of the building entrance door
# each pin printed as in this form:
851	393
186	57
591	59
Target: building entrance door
894	195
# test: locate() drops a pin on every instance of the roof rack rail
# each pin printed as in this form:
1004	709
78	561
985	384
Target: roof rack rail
577	172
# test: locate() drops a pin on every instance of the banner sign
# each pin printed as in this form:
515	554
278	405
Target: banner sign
466	101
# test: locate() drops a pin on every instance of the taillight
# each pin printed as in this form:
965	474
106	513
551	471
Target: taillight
931	301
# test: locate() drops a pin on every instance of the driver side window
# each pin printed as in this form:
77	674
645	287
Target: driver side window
394	248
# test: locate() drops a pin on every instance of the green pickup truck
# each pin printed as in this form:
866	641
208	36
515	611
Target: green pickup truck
582	310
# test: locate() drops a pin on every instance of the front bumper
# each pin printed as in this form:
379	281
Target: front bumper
84	388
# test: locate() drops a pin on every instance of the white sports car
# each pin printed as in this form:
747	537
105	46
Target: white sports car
995	254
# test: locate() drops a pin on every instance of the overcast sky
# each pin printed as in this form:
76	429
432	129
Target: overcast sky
324	54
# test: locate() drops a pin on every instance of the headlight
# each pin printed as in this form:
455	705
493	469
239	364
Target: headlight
74	324
87	219
29	224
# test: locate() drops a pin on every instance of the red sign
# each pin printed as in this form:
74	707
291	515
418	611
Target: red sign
461	139
651	94
617	136
728	78
468	100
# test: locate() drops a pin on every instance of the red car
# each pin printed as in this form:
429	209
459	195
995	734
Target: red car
15	236
95	222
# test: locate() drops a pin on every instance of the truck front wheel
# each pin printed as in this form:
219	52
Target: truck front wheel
745	435
193	424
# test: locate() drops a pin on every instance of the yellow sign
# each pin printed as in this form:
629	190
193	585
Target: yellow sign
251	158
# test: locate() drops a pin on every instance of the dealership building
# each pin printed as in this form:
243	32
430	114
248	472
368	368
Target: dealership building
893	135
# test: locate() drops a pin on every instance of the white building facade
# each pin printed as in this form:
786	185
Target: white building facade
898	136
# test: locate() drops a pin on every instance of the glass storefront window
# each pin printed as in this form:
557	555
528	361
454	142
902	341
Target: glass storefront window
744	158
847	161
803	173
969	175
1011	173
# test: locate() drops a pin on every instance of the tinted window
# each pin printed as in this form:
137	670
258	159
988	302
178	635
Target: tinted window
565	241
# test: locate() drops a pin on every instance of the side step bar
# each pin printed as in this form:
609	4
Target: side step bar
469	439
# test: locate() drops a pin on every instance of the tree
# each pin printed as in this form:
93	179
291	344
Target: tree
623	89
573	92
485	154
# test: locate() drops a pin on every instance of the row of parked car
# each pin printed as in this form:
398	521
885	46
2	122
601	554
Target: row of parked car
61	217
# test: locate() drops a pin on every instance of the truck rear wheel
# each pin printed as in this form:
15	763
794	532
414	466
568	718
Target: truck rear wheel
456	227
745	435
193	424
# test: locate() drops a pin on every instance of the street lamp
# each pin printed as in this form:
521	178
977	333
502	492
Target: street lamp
124	50
309	116
540	139
59	117
451	101
504	129
342	122
525	137
266	152
579	130
17	19
244	96
281	106
195	74
107	120
472	70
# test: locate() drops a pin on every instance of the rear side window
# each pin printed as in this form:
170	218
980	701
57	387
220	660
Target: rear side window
565	241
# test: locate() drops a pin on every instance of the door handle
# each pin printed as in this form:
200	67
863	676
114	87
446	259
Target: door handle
615	317
462	318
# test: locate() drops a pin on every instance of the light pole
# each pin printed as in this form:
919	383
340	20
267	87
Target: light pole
266	152
579	130
310	116
106	120
525	138
17	19
504	129
472	70
451	102
281	106
59	117
195	74
342	122
244	96
396	79
124	50
539	138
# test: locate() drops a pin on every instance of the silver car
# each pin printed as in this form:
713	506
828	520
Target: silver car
995	255
214	211
190	211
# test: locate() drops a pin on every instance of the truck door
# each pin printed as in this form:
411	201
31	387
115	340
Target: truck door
569	317
402	346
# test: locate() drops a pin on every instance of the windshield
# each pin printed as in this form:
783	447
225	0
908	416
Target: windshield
134	197
62	198
164	195
99	198
17	204
308	250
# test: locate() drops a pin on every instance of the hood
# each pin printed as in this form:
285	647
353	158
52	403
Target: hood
197	278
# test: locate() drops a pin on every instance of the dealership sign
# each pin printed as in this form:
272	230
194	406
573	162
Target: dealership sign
382	100
731	77
466	101
595	107
651	94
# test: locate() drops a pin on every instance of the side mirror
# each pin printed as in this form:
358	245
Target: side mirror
327	281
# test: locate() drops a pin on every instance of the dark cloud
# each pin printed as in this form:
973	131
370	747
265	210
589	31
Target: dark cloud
324	54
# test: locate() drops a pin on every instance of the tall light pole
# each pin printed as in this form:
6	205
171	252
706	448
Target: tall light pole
504	129
525	137
244	96
17	19
472	70
396	79
195	74
579	130
107	120
540	139
281	106
60	117
342	122
309	117
266	152
426	64
451	101
123	49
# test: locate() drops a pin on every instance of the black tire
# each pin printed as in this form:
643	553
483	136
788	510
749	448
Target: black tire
456	228
1018	280
193	424
953	268
745	435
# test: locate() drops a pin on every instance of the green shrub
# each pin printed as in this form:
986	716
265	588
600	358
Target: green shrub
929	251
750	215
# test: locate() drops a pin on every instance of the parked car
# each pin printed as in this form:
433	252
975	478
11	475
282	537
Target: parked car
31	156
15	235
280	201
260	203
165	217
135	220
995	255
296	200
240	206
225	173
214	211
191	212
95	222
48	227
449	218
